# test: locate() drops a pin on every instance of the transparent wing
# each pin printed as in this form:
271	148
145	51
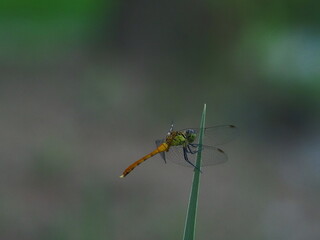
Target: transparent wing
217	135
210	156
162	154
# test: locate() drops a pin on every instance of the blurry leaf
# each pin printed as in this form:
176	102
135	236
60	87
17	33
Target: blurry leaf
190	225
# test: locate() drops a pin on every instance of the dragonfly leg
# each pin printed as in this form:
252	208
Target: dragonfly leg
190	151
193	144
185	151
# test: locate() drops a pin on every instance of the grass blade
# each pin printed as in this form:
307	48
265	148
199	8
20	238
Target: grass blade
190	224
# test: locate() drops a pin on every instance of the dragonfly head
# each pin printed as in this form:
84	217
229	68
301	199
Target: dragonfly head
191	135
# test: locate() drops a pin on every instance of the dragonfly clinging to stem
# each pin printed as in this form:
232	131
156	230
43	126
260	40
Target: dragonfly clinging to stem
180	147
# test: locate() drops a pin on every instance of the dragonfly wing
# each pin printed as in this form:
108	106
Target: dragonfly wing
210	156
217	135
162	154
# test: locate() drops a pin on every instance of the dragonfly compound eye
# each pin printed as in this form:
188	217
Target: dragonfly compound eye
191	135
190	131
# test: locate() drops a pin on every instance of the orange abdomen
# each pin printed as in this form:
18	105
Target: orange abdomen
163	147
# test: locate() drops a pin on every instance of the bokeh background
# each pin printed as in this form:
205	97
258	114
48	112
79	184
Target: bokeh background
87	86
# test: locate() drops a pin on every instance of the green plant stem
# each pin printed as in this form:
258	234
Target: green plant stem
190	224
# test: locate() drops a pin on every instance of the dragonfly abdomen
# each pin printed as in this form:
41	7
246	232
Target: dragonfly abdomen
163	147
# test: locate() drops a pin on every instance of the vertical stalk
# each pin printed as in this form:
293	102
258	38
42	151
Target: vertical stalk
190	224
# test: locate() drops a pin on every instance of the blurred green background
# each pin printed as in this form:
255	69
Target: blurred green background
87	86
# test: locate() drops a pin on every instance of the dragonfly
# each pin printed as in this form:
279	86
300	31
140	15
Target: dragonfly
179	147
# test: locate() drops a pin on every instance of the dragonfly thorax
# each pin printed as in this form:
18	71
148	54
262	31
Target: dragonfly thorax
176	139
181	138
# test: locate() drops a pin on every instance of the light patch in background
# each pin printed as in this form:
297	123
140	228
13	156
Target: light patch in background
293	55
285	219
